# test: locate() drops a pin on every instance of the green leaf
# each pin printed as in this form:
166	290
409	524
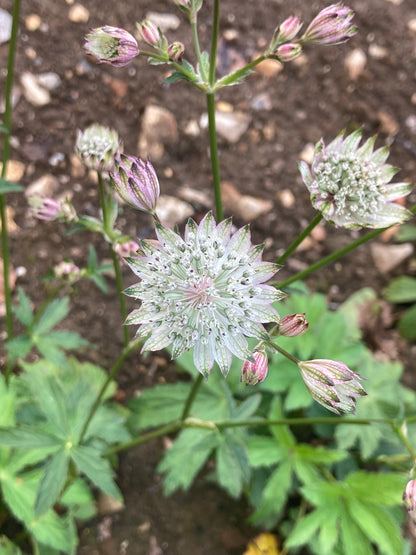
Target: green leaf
8	548
274	496
7	402
407	324
27	438
66	339
306	528
377	525
97	469
406	233
401	290
99	282
52	315
183	461
232	465
176	76
265	451
247	408
9	187
4	129
79	499
354	541
53	480
158	405
23	310
19	347
380	488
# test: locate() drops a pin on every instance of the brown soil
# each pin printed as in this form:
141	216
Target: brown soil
311	98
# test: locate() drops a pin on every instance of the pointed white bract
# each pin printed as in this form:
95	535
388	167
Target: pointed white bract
332	384
205	291
350	185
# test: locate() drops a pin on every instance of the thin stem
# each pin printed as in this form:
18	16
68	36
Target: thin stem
338	254
403	437
191	396
119	283
126	351
214	156
206	424
164	430
6	155
214	42
282	351
235	76
108	232
300	238
194	27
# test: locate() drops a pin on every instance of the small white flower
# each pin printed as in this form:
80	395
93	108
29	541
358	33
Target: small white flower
350	185
97	146
205	292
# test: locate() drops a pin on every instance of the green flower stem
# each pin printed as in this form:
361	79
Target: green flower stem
117	270
235	76
132	346
178	425
338	254
300	238
119	283
164	430
214	157
281	351
214	42
194	27
6	155
191	397
403	437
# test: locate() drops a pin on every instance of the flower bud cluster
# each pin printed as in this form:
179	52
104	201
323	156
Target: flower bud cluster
49	209
154	37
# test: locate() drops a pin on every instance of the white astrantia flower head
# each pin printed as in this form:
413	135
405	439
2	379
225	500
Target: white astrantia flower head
97	146
205	291
350	185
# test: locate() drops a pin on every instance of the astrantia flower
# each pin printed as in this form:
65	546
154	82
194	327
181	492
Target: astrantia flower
97	146
332	384
331	26
350	185
135	181
205	292
111	45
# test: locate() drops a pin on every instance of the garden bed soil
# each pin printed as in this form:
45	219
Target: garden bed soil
286	109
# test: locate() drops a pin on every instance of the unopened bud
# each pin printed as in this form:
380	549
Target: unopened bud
255	372
331	26
175	51
409	499
150	33
68	271
136	182
45	208
127	249
289	29
288	52
293	325
111	45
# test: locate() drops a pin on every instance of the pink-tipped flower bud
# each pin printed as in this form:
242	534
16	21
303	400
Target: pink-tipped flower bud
332	384
111	45
176	51
150	33
136	182
409	499
97	146
45	208
255	372
68	271
293	325
331	26
288	30
128	249
287	52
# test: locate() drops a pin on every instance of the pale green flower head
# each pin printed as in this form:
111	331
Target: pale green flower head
350	185
205	291
97	147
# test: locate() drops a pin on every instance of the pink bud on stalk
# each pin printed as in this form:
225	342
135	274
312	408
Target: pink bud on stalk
293	325
288	30
67	270
136	182
111	45
288	52
331	26
409	499
255	372
332	384
175	51
45	208
127	249
150	33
